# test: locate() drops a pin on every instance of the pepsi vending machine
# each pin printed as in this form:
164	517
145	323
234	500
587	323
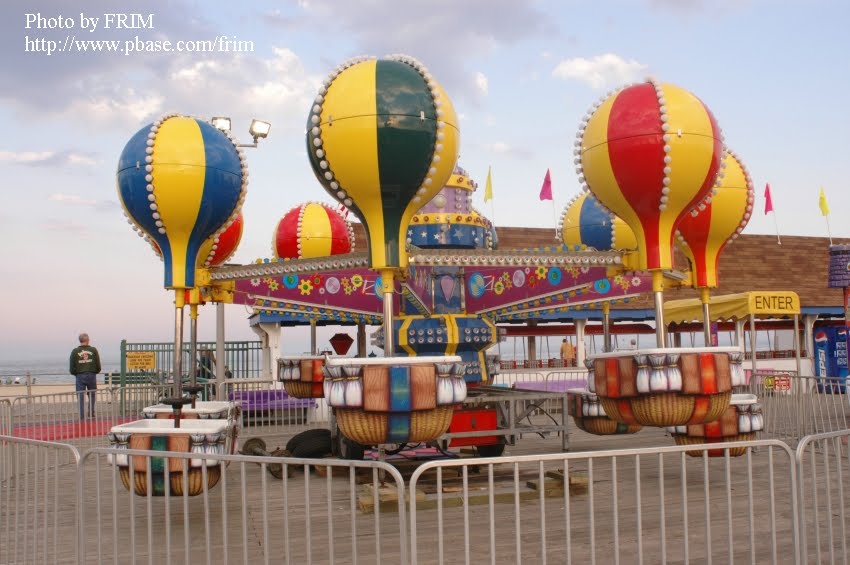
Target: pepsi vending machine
831	359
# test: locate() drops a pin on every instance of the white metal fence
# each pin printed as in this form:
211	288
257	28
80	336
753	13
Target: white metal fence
650	505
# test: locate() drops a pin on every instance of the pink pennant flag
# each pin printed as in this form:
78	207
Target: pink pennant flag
768	201
546	189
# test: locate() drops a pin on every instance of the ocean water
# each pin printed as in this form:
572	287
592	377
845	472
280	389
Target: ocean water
47	371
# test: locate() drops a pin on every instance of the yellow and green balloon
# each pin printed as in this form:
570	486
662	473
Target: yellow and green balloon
383	138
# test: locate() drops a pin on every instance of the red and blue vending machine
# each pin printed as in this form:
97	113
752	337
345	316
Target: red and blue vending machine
831	359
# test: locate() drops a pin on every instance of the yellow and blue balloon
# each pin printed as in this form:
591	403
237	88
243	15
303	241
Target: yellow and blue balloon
181	181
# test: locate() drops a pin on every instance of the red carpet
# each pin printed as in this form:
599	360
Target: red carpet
55	431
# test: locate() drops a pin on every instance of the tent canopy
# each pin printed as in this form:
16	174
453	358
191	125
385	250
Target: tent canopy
761	303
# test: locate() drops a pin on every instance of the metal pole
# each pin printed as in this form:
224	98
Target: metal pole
177	386
312	337
797	344
753	342
193	343
657	291
706	315
361	339
219	351
387	284
606	327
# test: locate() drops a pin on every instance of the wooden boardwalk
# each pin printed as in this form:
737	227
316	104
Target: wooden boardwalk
654	505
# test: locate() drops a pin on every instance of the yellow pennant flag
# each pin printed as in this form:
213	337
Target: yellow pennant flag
488	187
824	206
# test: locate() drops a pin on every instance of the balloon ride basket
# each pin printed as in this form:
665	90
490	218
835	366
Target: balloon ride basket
741	421
177	476
302	375
231	412
666	387
589	415
394	400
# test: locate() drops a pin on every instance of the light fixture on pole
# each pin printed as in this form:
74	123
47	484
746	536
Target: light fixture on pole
258	129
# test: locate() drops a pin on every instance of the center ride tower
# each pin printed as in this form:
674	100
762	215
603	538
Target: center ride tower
433	319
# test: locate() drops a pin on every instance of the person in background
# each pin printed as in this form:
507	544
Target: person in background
568	353
206	365
85	365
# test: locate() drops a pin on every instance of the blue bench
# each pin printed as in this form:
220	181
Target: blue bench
272	406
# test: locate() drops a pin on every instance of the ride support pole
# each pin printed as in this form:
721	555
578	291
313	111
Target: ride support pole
705	298
658	293
387	285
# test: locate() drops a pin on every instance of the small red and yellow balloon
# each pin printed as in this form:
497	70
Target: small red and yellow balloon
649	153
715	222
310	230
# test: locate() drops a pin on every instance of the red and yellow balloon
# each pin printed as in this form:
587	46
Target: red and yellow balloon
710	226
649	153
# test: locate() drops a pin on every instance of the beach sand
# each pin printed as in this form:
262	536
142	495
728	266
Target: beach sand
13	391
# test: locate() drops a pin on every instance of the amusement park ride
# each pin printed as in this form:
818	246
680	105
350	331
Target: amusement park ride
383	140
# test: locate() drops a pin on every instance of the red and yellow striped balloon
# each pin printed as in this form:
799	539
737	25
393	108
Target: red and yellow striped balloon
649	153
706	230
312	230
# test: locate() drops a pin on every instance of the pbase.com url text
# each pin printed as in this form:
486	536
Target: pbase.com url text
221	44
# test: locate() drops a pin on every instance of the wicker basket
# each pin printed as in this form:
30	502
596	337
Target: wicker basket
604	426
371	428
302	389
682	439
195	476
666	408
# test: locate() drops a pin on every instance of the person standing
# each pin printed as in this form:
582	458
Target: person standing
85	365
568	353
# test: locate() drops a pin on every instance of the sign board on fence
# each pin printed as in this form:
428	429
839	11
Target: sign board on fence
141	360
782	383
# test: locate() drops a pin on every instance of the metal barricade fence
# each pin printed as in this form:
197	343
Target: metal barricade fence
637	505
56	417
39	497
823	462
796	406
321	511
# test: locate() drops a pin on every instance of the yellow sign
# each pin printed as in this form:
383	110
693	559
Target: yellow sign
141	360
777	303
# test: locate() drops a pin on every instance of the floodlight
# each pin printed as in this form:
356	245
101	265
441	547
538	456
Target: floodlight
259	129
221	123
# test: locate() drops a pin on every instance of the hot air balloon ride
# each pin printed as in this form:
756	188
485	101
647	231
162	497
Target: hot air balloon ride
382	139
309	230
712	224
181	182
649	153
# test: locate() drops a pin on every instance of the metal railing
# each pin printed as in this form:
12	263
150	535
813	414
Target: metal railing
635	505
242	358
648	505
39	501
796	406
824	491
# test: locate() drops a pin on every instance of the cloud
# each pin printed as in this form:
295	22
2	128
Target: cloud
481	83
502	148
67	227
600	71
48	158
71	199
472	27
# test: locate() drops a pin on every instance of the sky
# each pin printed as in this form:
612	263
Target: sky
521	75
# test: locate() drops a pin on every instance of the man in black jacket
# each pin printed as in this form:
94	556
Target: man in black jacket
85	365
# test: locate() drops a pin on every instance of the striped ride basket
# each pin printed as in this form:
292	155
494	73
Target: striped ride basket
740	422
148	476
590	417
394	399
204	410
666	387
302	375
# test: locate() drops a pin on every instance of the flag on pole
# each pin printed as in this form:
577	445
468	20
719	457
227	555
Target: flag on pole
488	187
546	189
768	201
824	206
